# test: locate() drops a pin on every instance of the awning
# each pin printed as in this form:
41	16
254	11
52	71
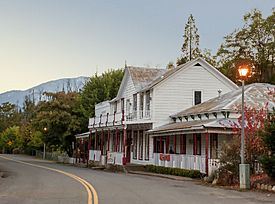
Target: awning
223	125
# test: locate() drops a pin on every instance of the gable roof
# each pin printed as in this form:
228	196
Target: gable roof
141	77
256	95
196	62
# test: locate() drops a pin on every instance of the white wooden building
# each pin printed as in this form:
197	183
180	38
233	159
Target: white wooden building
123	129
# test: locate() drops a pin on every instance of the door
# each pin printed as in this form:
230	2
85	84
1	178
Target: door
128	146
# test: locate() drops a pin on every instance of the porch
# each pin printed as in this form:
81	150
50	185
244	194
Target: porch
189	162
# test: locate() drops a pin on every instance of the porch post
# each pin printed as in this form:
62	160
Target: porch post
102	141
155	145
195	144
95	144
124	144
195	150
160	146
206	152
175	144
89	144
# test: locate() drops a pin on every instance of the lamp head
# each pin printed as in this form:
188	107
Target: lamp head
243	70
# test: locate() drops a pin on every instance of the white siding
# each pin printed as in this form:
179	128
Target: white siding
127	92
175	93
102	108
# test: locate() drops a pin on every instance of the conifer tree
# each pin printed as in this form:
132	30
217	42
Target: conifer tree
190	48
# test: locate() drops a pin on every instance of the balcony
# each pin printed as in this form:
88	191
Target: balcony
107	120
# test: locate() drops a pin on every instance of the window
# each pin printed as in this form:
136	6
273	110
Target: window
159	144
146	147
147	111
213	146
197	97
135	145
141	105
182	144
135	106
197	144
128	107
140	145
122	104
115	106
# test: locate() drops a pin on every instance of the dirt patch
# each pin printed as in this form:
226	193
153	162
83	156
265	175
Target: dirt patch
4	174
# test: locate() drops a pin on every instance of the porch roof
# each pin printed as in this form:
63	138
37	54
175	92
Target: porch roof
82	135
257	95
218	125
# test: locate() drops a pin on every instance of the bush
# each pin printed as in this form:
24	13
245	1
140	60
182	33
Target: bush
268	164
173	171
268	160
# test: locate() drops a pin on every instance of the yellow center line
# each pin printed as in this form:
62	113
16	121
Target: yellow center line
92	194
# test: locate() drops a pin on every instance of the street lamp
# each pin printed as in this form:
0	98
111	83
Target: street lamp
244	168
45	129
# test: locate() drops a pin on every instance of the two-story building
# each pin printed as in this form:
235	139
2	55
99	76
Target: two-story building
120	130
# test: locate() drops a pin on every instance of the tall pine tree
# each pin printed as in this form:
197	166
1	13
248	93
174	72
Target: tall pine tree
190	48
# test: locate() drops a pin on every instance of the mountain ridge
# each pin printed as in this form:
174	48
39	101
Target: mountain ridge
17	97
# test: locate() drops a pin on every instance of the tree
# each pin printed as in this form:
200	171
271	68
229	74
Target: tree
254	145
9	116
190	48
255	43
100	88
62	118
10	139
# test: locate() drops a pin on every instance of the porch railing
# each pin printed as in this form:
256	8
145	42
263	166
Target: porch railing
106	120
195	162
95	155
115	158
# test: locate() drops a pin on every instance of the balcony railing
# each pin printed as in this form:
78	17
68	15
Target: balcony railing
106	120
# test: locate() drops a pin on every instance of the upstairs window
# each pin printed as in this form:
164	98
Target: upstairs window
135	102
147	100
141	106
122	104
115	106
197	97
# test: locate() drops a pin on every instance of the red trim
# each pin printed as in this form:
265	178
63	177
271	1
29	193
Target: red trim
124	145
206	152
102	141
116	141
95	144
108	147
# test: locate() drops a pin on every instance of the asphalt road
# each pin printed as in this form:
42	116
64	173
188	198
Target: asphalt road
29	184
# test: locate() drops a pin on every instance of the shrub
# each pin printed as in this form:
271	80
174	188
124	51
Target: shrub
173	171
268	160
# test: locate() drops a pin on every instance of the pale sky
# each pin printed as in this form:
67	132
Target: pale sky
42	40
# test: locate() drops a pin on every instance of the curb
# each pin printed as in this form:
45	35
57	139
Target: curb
265	187
177	178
